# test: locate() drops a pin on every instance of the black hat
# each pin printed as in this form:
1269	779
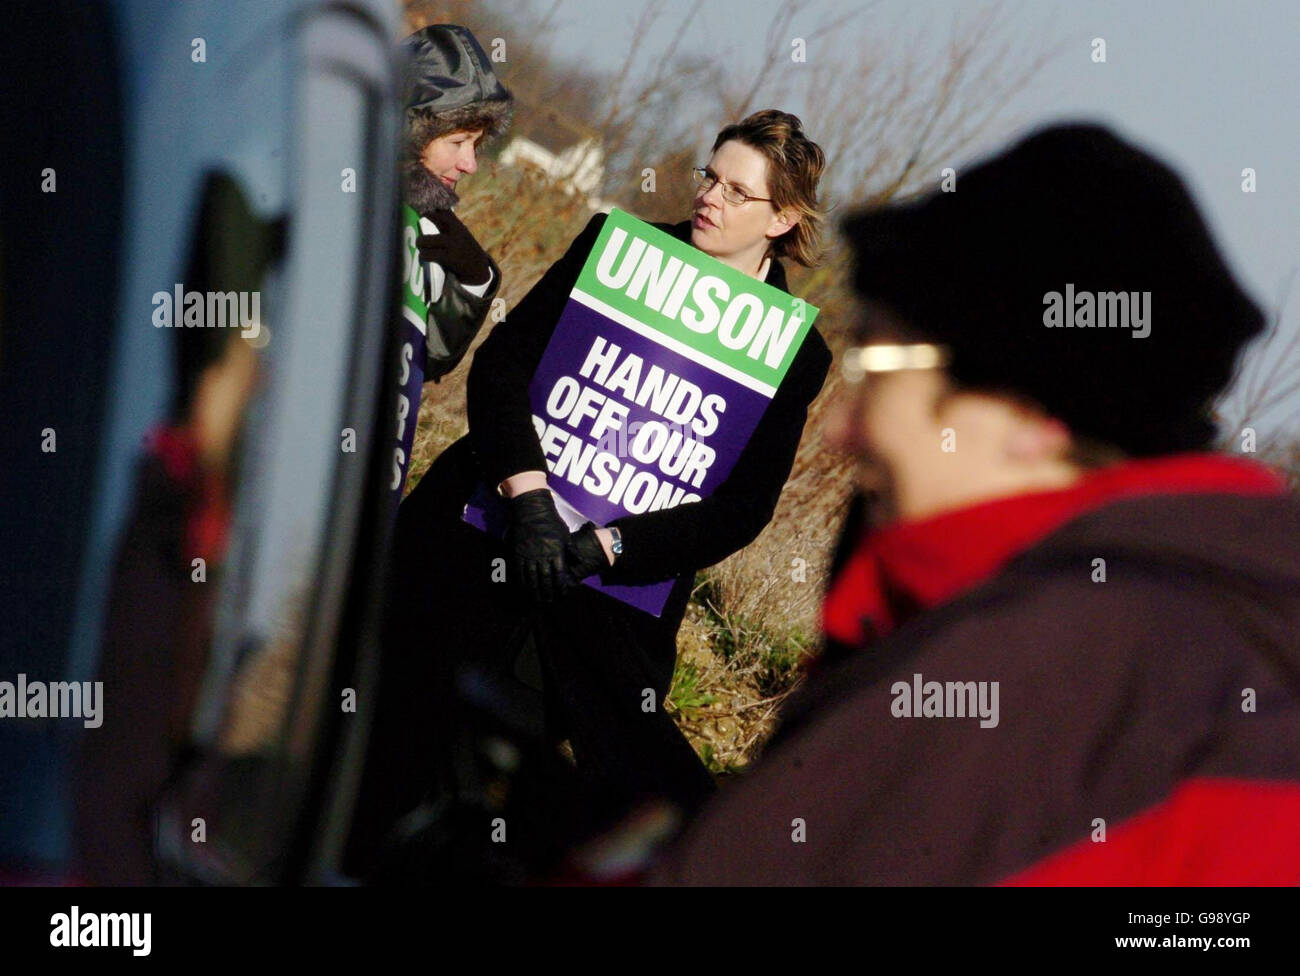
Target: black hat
450	79
1015	268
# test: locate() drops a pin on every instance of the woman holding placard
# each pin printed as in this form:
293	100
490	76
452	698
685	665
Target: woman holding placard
507	615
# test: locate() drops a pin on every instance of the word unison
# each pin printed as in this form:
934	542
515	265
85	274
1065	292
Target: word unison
743	321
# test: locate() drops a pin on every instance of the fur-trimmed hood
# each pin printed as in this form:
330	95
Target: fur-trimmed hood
450	87
422	191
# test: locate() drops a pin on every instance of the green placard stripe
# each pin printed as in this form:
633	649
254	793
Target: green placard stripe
414	308
668	342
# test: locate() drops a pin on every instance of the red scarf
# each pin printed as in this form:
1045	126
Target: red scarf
909	566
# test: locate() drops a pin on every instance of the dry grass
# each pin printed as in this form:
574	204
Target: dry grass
755	616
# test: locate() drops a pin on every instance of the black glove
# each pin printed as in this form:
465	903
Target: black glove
584	553
455	249
536	540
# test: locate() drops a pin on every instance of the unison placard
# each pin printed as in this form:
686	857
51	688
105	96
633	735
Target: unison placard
656	375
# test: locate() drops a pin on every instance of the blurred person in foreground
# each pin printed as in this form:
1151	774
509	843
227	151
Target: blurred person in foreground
1050	526
158	622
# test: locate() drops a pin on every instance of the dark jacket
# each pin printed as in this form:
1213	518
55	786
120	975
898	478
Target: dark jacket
1120	701
668	543
455	316
432	350
456	312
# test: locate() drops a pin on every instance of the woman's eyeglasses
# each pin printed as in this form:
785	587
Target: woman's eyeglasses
705	178
858	361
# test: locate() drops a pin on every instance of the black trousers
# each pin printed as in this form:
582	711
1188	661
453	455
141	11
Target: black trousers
588	668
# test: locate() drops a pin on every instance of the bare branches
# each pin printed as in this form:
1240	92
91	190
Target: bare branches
1267	379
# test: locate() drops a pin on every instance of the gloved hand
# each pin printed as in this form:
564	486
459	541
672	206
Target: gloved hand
536	540
455	249
584	554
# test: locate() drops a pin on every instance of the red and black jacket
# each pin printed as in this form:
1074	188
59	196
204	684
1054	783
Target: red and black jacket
1148	729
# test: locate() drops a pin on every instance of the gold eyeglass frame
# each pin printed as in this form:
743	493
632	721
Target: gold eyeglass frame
885	357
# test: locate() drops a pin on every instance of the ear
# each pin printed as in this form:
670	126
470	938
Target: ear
781	223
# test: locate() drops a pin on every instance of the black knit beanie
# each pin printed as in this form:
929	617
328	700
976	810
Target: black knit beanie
1020	271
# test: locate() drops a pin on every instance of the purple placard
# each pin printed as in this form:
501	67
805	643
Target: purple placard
609	451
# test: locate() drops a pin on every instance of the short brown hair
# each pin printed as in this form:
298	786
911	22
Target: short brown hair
795	165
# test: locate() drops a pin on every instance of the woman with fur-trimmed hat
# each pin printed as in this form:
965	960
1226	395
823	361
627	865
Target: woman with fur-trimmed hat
454	102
